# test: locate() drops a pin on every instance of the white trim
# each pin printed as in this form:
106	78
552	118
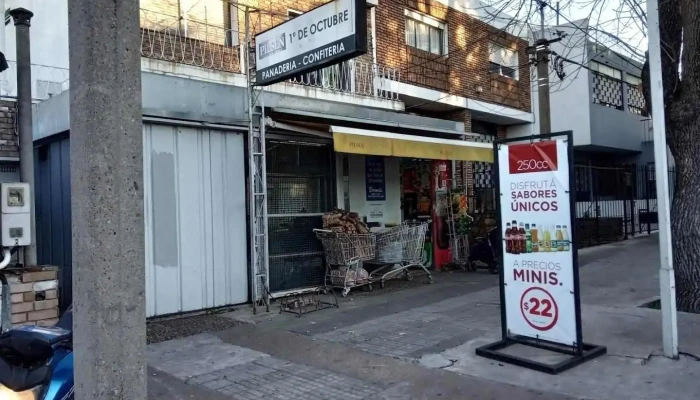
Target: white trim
413	138
167	68
438	97
434	22
424	18
499	110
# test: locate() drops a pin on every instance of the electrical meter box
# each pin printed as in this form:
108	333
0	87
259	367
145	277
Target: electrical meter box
15	214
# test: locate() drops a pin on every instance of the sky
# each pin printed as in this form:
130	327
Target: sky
615	23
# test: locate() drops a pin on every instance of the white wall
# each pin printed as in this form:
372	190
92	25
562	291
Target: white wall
358	202
49	32
49	48
570	98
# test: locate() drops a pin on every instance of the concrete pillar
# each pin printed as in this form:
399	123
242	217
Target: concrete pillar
22	18
107	199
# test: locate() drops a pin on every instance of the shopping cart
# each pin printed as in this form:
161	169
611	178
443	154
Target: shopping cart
399	249
344	252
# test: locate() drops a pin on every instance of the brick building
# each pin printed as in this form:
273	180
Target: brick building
435	82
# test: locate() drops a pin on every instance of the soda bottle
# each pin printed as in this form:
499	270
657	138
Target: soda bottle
528	239
535	238
509	239
567	243
560	239
547	240
515	242
521	236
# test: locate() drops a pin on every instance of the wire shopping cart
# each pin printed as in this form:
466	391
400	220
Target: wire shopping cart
400	248
344	252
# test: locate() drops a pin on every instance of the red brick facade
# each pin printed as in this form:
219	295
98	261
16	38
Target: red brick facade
464	71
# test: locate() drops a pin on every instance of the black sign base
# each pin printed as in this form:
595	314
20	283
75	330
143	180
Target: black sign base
493	351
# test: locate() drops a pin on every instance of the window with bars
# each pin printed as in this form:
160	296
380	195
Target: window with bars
425	33
635	96
607	91
503	61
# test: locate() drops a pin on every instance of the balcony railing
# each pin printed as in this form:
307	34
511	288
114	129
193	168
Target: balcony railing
635	100
354	77
178	40
607	91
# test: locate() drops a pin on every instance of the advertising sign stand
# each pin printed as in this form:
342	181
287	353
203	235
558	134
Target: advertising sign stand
539	279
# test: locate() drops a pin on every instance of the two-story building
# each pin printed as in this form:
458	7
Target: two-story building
596	92
435	83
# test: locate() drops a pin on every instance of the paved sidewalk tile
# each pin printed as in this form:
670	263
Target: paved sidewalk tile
197	355
410	332
273	378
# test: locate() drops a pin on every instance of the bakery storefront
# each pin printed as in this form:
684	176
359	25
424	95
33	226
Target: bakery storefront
386	178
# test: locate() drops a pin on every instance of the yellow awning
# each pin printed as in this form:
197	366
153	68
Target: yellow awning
377	143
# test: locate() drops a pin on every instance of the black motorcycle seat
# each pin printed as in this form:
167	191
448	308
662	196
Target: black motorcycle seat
25	347
23	359
19	379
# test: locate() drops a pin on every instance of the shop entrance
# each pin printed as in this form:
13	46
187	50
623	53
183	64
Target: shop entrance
301	186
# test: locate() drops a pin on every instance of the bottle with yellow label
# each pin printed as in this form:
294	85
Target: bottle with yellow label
567	243
547	240
560	239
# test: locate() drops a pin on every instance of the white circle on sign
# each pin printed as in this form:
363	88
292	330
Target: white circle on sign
539	308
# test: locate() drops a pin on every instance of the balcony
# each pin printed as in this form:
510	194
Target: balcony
618	94
178	40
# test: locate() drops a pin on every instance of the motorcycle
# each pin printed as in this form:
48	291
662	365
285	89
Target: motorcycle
36	362
486	252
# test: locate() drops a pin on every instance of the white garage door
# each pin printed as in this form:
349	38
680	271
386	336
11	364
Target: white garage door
195	219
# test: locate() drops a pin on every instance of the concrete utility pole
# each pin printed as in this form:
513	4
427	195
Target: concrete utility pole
22	19
542	58
107	200
667	279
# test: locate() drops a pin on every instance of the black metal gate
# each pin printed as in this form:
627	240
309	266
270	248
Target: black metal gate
300	188
615	203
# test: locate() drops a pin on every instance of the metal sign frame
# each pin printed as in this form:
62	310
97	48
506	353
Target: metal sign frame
581	351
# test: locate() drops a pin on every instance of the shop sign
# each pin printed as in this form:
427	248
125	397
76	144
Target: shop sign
375	179
324	36
538	256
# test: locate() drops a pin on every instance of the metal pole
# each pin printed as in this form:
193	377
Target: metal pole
667	280
542	56
22	18
106	145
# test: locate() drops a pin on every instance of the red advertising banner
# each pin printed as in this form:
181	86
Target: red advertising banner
532	157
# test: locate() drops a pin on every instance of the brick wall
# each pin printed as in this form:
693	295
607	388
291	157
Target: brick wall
464	71
34	296
9	140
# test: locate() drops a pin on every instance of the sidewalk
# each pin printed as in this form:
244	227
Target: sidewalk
419	344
